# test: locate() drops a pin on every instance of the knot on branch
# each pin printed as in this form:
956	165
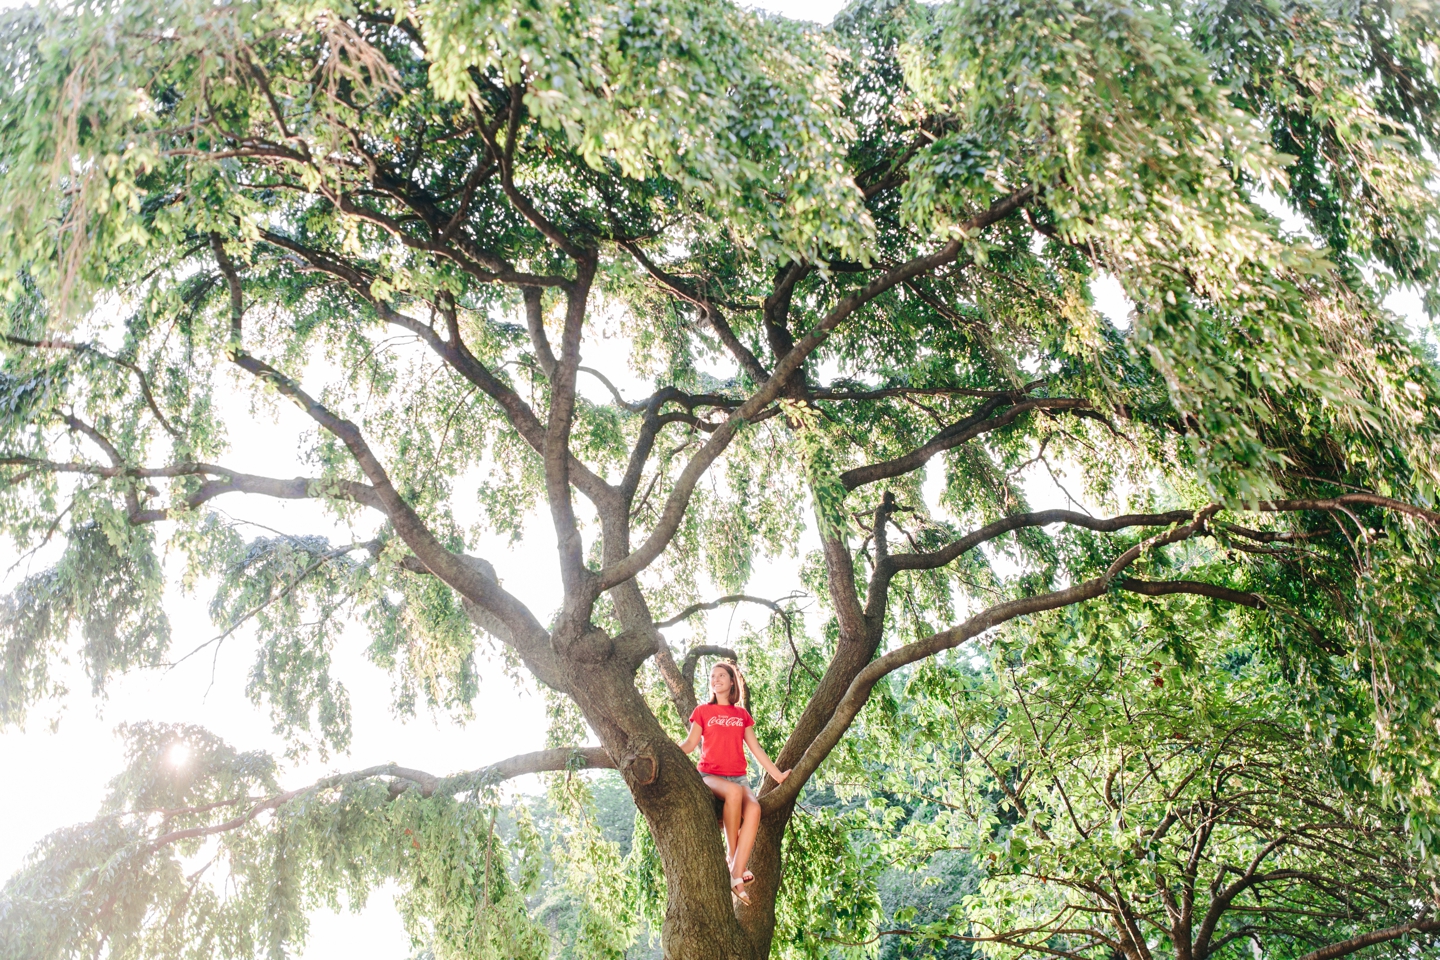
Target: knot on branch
592	646
637	645
639	765
406	779
481	566
481	617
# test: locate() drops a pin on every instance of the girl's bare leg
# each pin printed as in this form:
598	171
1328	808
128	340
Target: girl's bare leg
734	796
749	826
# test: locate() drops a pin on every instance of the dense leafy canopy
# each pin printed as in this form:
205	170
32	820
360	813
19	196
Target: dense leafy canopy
1187	804
1193	713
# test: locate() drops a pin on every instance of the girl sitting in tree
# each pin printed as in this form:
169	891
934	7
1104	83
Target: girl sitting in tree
719	727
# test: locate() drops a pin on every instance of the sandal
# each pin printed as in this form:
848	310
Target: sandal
737	890
748	877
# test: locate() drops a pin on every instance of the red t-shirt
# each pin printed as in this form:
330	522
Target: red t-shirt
722	738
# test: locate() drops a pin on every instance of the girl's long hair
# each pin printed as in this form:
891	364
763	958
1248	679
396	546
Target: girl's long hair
737	685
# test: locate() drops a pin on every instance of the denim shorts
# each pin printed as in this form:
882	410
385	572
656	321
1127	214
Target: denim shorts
743	780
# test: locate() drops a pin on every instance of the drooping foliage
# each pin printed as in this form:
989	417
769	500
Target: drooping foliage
766	296
1117	775
103	591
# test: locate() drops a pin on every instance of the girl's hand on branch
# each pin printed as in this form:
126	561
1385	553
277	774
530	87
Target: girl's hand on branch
779	775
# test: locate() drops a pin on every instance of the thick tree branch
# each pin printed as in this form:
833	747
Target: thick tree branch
1165	588
859	690
1222	899
485	591
639	456
535	324
556	451
681	695
967	429
840	580
775	317
1360	941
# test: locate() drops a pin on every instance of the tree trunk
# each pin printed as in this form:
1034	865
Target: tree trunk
700	922
759	921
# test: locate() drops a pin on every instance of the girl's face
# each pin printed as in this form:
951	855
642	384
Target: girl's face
720	683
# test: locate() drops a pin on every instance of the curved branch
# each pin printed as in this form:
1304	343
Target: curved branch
1163	588
1340	502
954	435
1363	940
53	344
1040	518
404	778
859	690
1044	518
695	608
692	659
605	381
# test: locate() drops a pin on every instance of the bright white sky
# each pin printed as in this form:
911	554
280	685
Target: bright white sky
73	762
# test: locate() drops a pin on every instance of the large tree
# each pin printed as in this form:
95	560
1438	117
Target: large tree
843	257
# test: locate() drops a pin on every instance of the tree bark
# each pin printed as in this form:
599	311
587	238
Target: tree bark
700	922
768	865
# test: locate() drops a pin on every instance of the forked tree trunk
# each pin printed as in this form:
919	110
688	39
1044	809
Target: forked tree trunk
700	921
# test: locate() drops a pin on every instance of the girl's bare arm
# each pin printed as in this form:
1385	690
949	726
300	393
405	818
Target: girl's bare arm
689	744
761	757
